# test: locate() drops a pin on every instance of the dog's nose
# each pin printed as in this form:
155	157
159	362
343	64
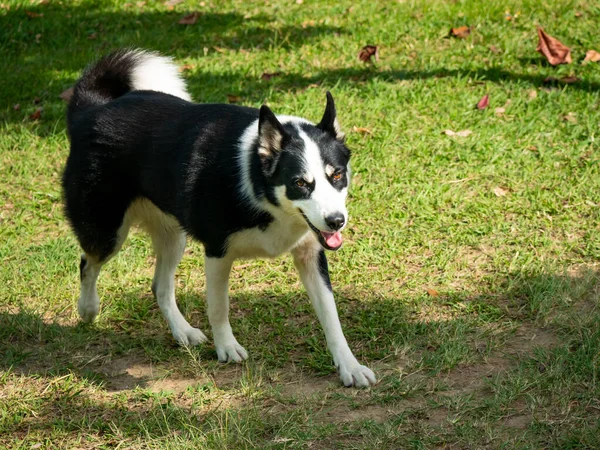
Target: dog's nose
335	221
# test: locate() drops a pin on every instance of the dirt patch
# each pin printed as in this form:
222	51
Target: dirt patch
527	337
374	413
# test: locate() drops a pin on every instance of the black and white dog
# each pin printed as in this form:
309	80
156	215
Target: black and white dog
244	182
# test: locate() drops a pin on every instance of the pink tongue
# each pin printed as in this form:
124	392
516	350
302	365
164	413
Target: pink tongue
333	240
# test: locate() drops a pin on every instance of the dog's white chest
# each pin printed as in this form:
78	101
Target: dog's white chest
279	237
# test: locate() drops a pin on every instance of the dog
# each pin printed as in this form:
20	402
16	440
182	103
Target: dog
244	182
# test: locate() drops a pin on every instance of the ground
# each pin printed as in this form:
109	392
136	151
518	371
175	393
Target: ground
469	276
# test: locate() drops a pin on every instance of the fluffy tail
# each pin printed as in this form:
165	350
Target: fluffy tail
124	71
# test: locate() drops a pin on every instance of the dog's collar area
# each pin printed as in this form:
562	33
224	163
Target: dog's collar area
324	236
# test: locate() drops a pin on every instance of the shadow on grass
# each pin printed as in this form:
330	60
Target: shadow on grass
45	54
280	331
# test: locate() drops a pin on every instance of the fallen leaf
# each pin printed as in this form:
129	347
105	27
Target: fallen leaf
499	192
578	14
367	52
494	49
34	15
432	292
463	133
266	76
460	32
570	117
140	4
37	38
67	94
233	98
189	19
532	94
172	3
500	110
17	107
564	80
185	67
36	115
220	49
554	50
532	148
592	56
361	130
484	102
93	36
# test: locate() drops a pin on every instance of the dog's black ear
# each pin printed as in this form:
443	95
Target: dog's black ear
271	139
329	122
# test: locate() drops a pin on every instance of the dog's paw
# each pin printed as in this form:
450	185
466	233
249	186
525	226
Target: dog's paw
356	375
88	308
231	351
189	336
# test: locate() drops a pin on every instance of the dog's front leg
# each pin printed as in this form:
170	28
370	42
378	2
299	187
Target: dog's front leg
310	260
217	280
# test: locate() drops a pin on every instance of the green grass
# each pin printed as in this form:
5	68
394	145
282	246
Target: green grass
506	356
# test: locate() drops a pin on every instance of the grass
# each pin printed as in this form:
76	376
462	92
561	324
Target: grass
478	311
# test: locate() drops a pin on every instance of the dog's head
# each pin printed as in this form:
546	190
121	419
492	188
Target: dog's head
308	167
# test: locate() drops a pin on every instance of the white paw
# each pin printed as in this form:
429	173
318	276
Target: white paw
231	351
88	308
354	374
189	336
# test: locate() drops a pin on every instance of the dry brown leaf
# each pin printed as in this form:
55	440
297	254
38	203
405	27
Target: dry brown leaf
499	192
173	2
266	76
67	94
34	15
463	133
36	115
484	102
570	117
432	292
460	32
564	80
189	19
500	110
367	52
140	4
361	130
17	107
532	94
592	56
185	67
93	36
554	50
494	49
231	98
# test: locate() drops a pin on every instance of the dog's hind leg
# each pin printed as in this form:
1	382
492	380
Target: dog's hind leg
217	297
169	244
88	304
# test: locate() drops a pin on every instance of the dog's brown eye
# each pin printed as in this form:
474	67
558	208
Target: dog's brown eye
300	183
337	176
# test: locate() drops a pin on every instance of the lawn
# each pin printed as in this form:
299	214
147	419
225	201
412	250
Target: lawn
470	276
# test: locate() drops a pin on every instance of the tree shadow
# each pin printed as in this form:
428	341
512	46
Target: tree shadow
41	64
269	324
